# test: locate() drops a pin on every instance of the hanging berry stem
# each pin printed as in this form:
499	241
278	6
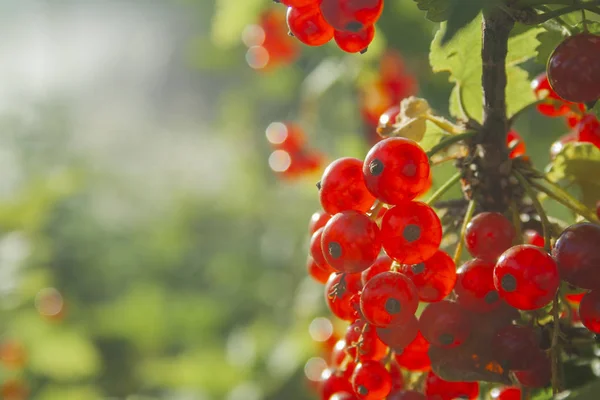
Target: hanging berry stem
560	195
443	189
538	208
463	229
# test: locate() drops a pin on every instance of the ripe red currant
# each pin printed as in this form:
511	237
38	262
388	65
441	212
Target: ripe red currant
316	251
396	170
397	378
363	341
351	15
526	277
445	390
538	375
388	118
342	295
533	237
354	42
333	382
515	141
342	187
555	107
319	274
382	264
343	396
434	277
371	381
350	242
488	235
475	286
558	146
445	324
398	337
589	130
574	68
318	220
578	256
389	299
507	393
515	347
411	232
589	311
309	26
299	3
415	356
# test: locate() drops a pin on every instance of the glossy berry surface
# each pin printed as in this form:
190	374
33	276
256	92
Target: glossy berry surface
350	242
555	106
578	255
382	264
318	220
411	232
333	382
351	15
308	25
588	130
475	286
526	277
316	251
507	393
342	187
574	68
299	3
445	324
388	118
515	142
436	386
343	396
389	299
488	235
589	311
363	342
434	278
538	375
371	381
342	295
515	347
396	170
398	337
318	273
414	357
355	42
533	237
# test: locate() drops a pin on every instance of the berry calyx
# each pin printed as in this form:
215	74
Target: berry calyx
526	277
308	25
389	299
342	295
342	187
371	381
355	42
488	235
363	342
351	15
475	286
434	278
445	324
577	255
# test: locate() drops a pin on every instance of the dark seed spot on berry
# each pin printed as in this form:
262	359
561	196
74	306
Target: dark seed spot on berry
392	306
446	339
318	185
354	26
491	297
509	283
376	167
411	233
418	268
363	391
290	34
335	250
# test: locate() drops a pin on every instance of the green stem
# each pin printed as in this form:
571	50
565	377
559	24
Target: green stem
541	18
448	142
538	207
443	189
560	195
443	124
516	219
463	230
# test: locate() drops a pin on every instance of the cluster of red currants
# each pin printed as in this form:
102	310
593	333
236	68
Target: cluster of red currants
349	23
370	206
268	43
291	157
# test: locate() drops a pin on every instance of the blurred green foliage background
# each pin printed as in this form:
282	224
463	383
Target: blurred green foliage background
146	249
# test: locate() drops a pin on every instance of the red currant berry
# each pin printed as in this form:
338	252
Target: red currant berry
555	107
526	277
515	142
316	251
398	337
338	353
434	277
589	130
488	235
343	187
406	395
388	118
382	264
371	381
538	375
578	256
533	237
318	273
355	42
445	390
350	242
507	393
318	220
415	356
309	26
351	15
342	295
389	299
475	286
515	347
445	324
364	343
397	378
343	396
299	3
574	68
411	232
589	311
396	170
334	382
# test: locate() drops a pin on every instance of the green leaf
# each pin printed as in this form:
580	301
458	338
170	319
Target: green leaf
462	12
461	58
575	165
547	42
437	10
596	109
588	392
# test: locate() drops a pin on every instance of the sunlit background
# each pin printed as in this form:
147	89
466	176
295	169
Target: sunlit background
151	245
